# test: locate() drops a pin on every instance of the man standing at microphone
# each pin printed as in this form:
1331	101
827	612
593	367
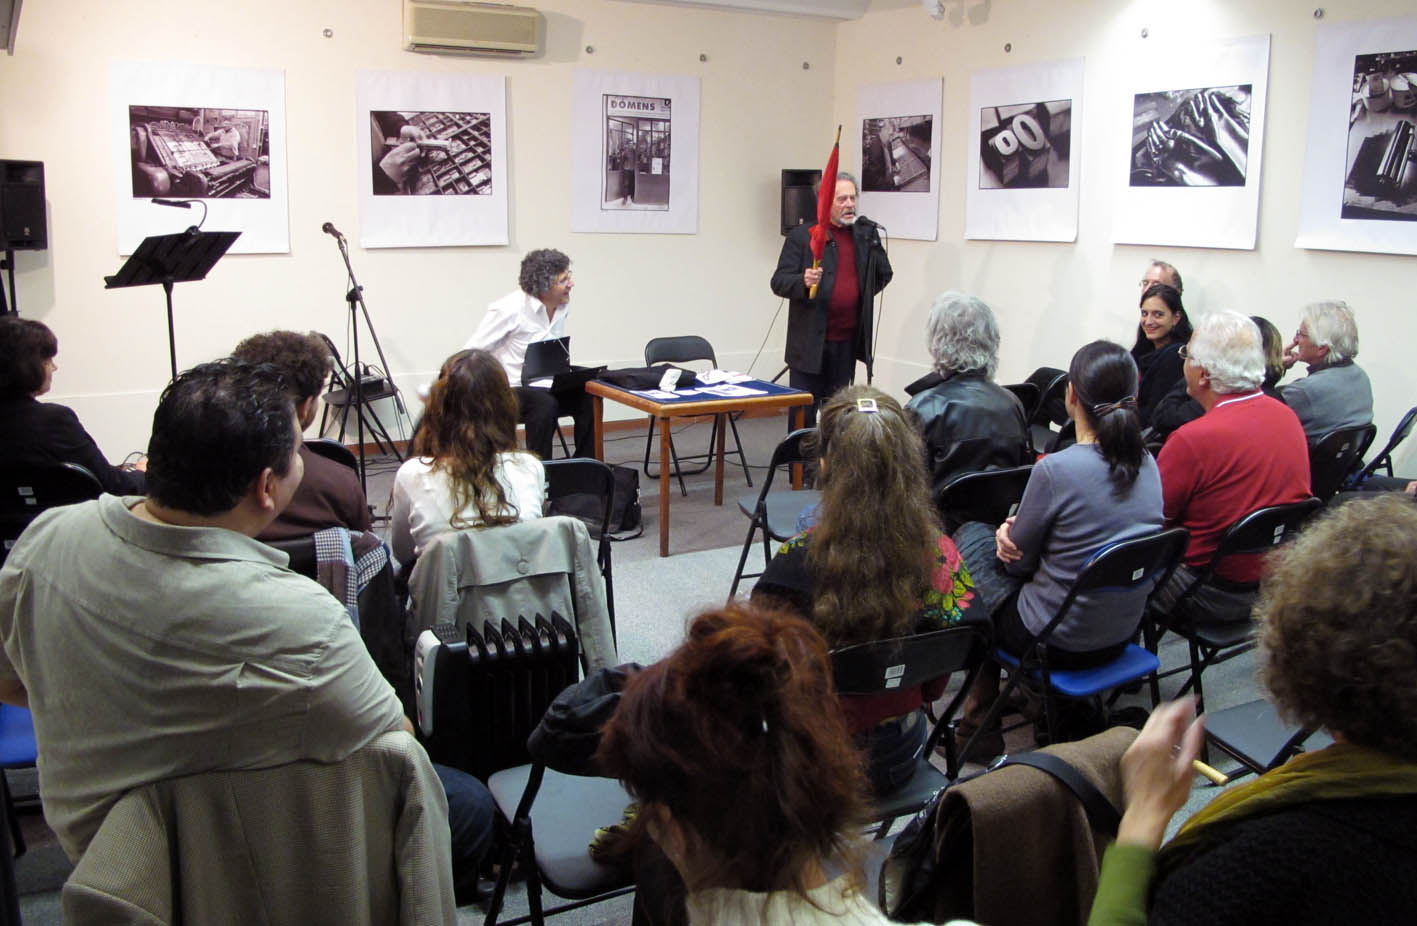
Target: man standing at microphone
827	334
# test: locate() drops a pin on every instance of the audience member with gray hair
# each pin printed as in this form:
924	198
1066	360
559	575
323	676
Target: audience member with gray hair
969	423
1336	393
1246	452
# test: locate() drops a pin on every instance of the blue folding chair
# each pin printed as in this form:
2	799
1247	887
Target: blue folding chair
17	750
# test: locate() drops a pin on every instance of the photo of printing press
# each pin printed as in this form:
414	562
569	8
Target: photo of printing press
199	153
431	153
636	147
1025	145
895	154
1380	180
1196	137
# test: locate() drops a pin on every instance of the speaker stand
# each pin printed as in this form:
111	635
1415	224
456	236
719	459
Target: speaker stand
8	265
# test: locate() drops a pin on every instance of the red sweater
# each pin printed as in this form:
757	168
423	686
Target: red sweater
846	288
1247	452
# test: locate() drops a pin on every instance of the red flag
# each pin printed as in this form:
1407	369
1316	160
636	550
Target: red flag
826	193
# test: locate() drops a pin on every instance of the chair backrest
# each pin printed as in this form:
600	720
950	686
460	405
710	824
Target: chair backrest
905	662
1051	383
787	453
681	349
582	488
988	495
332	450
1384	457
1027	394
355	841
301	551
1126	564
1333	457
28	490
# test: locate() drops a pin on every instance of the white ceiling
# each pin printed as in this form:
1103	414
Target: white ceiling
828	9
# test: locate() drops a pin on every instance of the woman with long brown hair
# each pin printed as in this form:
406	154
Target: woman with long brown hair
465	470
875	565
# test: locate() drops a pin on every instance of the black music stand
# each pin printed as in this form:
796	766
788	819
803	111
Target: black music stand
169	259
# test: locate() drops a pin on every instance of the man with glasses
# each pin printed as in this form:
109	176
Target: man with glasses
1158	271
1336	393
536	312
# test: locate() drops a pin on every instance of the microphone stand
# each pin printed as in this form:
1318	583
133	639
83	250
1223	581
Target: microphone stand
355	297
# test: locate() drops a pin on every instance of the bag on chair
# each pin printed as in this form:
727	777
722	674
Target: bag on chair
625	521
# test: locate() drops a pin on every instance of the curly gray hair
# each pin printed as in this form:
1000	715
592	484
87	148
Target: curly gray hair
963	334
540	268
1331	324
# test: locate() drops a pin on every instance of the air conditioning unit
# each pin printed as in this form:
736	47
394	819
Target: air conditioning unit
460	27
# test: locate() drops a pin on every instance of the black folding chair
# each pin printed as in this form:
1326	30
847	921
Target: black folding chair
1384	457
1051	383
1334	456
1255	734
1213	642
585	489
904	663
774	513
1125	564
333	450
1027	394
686	349
26	491
988	495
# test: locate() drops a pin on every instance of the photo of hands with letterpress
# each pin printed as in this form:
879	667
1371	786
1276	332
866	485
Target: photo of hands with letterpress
431	153
1380	181
1197	137
1025	145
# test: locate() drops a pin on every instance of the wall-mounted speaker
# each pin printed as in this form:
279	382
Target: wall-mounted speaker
799	199
22	222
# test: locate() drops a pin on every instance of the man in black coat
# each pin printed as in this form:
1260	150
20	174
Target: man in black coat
828	334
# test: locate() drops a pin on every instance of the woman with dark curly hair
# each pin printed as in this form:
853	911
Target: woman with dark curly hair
465	470
45	433
859	578
1328	836
749	787
1164	327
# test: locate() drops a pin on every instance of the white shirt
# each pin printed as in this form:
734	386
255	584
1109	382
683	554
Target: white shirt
511	323
423	499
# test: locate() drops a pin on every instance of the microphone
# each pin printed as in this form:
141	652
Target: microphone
329	229
178	203
862	220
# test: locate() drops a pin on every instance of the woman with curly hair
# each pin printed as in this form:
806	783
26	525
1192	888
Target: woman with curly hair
1328	836
860	576
751	789
465	470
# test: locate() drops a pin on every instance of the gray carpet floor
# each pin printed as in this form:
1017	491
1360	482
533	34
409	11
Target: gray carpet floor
655	597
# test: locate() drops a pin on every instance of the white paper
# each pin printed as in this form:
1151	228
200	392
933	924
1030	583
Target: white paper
1209	216
457	199
634	153
1038	199
897	143
1338	128
193	99
730	391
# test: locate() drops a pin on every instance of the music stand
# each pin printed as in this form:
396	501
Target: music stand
169	259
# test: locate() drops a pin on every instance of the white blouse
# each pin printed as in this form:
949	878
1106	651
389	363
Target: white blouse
423	499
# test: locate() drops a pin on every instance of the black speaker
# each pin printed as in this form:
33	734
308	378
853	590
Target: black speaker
799	200
22	225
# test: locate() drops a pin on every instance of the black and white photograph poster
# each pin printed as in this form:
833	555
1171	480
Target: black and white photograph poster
634	153
432	159
1360	170
217	135
1022	177
1188	167
897	156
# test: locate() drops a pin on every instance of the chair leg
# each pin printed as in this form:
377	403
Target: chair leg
565	450
15	834
649	446
743	558
504	877
738	449
678	470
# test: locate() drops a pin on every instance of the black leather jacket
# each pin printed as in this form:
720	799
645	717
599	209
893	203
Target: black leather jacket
971	424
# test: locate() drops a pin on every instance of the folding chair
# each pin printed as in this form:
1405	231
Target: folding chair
27	491
1335	455
774	513
342	395
1211	643
1384	457
1118	566
1254	734
332	450
1027	395
586	489
988	495
1051	383
685	349
17	750
908	662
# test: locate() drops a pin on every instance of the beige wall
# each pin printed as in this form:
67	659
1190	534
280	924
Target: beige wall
761	111
1052	298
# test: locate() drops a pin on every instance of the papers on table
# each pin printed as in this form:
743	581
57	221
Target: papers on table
714	377
721	391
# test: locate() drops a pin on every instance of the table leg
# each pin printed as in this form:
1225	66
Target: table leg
664	437
597	406
718	465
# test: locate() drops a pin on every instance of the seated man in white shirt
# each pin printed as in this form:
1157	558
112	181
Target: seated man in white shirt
536	312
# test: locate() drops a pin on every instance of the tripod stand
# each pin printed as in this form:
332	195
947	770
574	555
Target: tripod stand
357	393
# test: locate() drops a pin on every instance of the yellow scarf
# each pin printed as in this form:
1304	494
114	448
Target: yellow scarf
1340	771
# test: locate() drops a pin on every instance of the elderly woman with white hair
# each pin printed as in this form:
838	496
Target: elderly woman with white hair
1336	393
969	423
